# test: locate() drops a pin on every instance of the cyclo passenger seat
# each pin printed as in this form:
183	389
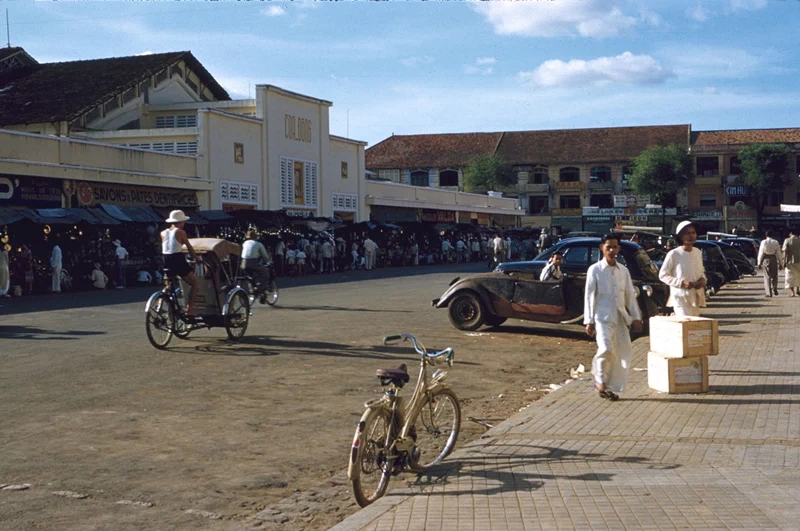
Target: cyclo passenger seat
398	377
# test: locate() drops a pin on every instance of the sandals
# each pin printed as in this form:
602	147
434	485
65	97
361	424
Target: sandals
608	395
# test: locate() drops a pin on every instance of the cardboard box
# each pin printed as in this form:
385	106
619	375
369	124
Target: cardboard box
684	337
677	375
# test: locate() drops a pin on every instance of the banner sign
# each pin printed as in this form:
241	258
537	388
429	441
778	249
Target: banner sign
656	212
739	190
122	194
707	214
629	200
439	216
596	211
33	192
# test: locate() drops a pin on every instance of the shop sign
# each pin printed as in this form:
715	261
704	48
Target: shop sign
630	200
296	128
34	192
386	214
568	222
569	186
566	212
656	212
128	195
300	213
596	211
597	223
707	214
230	207
483	219
739	190
439	216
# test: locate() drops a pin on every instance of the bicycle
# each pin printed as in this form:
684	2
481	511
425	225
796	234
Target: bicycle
269	295
391	437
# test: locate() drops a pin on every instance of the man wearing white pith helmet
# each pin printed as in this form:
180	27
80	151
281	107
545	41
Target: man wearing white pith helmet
684	273
172	241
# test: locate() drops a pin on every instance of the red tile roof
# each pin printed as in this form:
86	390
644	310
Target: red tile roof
746	136
53	92
523	147
430	151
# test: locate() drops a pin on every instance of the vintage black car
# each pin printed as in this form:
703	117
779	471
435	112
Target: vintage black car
514	290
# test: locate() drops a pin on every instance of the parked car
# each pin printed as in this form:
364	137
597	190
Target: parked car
714	260
514	290
748	247
736	256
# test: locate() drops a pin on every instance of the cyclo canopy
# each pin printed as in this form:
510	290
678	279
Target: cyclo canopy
221	248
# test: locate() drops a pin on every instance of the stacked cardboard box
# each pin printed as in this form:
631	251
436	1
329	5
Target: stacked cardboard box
679	351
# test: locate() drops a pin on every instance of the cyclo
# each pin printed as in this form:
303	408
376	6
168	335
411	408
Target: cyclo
220	301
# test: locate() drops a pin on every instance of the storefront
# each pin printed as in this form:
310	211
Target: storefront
599	224
89	194
567	220
707	221
32	192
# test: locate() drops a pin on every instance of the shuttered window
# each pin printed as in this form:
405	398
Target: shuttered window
309	183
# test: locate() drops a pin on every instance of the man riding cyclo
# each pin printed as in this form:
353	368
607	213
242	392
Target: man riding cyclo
172	241
254	260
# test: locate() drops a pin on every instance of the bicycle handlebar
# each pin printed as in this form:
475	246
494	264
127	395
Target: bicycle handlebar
448	353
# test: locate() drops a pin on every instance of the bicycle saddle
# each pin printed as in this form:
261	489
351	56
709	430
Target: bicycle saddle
396	376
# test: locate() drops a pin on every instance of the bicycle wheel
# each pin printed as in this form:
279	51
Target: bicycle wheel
372	466
272	293
435	429
237	316
160	322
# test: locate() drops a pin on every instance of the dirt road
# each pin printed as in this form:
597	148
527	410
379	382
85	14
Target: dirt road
113	434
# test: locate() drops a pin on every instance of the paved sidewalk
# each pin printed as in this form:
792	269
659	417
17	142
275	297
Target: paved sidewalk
728	459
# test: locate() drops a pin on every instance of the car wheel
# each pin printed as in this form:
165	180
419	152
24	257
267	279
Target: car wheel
494	320
466	312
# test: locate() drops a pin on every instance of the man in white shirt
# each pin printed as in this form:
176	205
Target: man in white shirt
254	258
122	257
770	258
552	271
55	264
327	256
684	273
460	250
99	279
498	249
791	261
369	253
447	251
610	307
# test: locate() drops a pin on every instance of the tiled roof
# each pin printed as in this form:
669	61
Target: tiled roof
587	145
746	136
434	151
523	147
5	52
54	92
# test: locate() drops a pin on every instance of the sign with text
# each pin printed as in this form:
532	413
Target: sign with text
596	211
569	186
656	212
123	194
566	212
707	214
31	192
739	190
630	200
296	128
439	216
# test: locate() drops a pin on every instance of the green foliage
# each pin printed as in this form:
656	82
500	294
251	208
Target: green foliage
660	171
487	172
764	166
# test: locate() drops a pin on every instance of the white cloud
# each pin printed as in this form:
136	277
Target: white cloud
748	5
708	62
624	68
148	52
485	61
697	12
273	11
480	66
416	61
587	18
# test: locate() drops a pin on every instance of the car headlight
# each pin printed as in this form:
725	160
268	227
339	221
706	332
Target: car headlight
648	290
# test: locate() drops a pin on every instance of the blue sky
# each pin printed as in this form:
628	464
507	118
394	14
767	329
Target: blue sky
435	67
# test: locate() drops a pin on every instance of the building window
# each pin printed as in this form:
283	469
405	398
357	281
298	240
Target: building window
171	122
389	175
707	166
627	173
569	175
540	176
345	202
570	201
236	192
708	200
602	201
419	178
448	178
736	168
344	170
600	174
298	183
775	198
181	148
539	204
238	153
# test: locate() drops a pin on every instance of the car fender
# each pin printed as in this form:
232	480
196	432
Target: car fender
461	286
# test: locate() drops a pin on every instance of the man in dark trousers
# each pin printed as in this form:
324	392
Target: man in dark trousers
769	257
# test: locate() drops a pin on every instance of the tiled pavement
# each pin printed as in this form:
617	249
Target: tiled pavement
728	459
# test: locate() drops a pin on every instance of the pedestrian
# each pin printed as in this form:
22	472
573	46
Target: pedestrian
498	250
415	253
369	253
544	240
300	257
5	274
508	248
143	277
476	249
791	262
327	256
769	258
280	252
122	257
684	273
99	279
610	309
552	271
27	267
55	266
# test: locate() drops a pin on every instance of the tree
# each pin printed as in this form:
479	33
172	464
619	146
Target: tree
487	172
764	169
660	171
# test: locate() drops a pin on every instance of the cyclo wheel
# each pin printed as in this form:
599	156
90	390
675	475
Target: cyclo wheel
373	468
272	293
437	425
160	322
237	315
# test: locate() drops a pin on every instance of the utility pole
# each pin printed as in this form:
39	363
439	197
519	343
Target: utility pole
8	32
348	122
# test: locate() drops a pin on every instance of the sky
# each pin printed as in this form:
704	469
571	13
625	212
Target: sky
450	67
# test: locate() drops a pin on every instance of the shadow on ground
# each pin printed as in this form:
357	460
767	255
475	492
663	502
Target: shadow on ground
32	332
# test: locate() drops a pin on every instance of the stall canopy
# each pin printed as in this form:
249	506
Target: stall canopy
10	215
214	216
54	216
135	214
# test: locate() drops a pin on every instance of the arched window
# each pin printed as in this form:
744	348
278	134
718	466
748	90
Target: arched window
419	178
448	178
600	174
540	175
568	175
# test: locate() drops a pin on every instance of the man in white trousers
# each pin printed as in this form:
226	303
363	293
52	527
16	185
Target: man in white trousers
610	308
683	272
369	252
